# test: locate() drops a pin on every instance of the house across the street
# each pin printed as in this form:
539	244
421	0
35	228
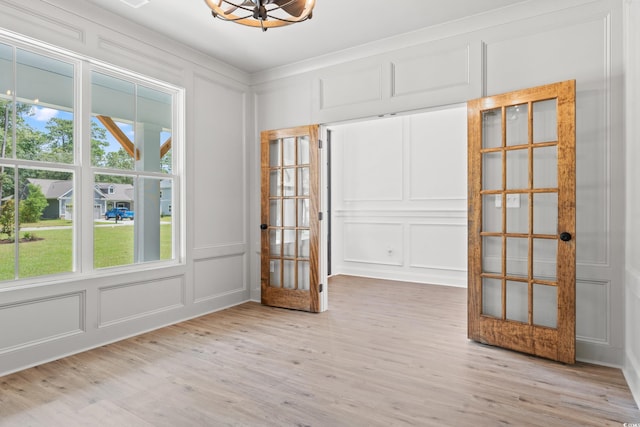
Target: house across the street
59	195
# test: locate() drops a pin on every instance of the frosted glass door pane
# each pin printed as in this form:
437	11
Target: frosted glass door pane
274	153
545	213
275	240
289	274
275	209
303	212
274	183
518	125
289	243
492	297
545	167
545	253
545	121
492	213
492	171
517	301
303	275
492	128
517	169
517	256
303	150
274	273
289	183
303	244
289	151
517	213
545	306
492	255
303	181
289	212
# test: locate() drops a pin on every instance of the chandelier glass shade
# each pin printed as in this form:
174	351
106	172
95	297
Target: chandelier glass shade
262	14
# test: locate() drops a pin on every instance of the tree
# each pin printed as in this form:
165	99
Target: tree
8	218
32	207
119	160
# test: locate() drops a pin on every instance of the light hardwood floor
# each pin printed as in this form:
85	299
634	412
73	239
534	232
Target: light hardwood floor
386	353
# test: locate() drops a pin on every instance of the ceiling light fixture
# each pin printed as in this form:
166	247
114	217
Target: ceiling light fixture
262	13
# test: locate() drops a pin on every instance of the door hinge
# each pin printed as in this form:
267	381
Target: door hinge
319	143
320	288
320	216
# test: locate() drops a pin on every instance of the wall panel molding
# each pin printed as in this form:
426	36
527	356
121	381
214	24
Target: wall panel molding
125	302
218	277
446	254
352	85
593	315
17	15
372	242
419	72
57	317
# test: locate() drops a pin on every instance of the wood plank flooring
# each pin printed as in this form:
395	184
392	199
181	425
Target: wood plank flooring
385	354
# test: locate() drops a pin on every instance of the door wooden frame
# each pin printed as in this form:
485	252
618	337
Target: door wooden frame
306	300
559	343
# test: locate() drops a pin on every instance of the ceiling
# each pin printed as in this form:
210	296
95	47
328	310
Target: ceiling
336	25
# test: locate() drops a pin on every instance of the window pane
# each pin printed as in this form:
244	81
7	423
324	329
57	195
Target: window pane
45	94
7	224
6	71
166	219
112	124
46	217
6	98
114	214
153	130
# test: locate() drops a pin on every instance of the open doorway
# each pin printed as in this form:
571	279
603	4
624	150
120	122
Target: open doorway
395	197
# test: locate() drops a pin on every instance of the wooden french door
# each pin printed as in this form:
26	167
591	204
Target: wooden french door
521	292
290	219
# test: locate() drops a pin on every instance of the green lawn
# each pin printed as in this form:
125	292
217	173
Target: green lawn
53	254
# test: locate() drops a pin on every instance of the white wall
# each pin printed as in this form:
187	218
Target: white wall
53	319
521	46
632	291
399	198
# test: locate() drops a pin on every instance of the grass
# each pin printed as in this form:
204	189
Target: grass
52	253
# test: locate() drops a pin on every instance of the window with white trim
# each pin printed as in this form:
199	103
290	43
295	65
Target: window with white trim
81	181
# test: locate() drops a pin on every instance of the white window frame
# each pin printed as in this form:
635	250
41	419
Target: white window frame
83	172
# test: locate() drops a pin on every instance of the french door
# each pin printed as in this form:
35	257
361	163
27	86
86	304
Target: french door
521	290
290	219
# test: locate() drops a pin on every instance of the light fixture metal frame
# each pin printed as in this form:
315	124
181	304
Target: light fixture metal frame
271	21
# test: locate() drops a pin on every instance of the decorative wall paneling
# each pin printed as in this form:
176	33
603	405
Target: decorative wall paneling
71	314
429	74
132	300
58	316
395	212
632	229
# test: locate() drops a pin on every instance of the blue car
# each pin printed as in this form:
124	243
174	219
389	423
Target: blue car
118	214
